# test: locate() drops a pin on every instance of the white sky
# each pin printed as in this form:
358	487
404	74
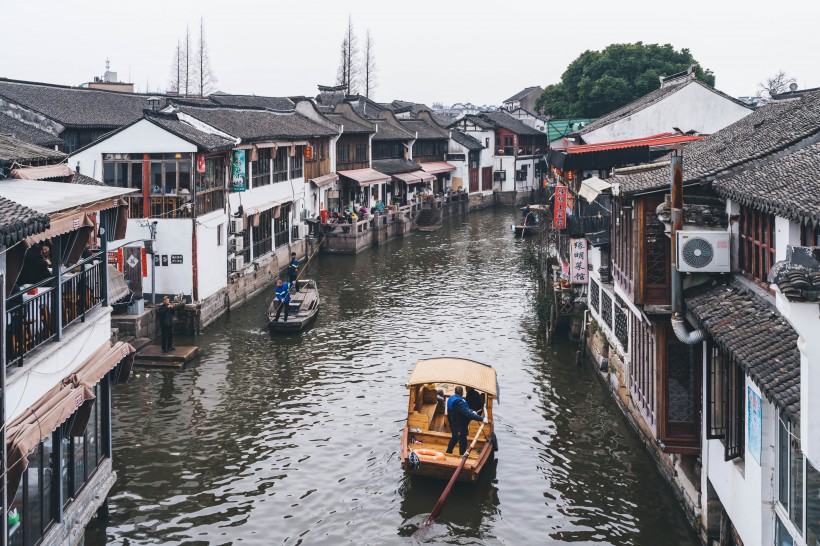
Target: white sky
426	50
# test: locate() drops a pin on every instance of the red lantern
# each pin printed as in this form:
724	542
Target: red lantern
570	175
200	163
308	152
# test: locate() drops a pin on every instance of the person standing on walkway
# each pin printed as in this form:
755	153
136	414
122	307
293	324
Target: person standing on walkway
283	297
460	415
166	314
293	270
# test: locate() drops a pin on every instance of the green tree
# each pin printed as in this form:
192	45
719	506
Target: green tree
598	82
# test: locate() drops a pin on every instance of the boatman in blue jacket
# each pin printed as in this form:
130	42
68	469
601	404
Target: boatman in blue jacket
283	297
293	270
460	415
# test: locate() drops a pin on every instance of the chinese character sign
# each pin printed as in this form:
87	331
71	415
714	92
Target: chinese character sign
559	208
578	271
238	170
755	424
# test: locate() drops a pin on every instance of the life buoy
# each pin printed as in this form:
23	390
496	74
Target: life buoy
432	453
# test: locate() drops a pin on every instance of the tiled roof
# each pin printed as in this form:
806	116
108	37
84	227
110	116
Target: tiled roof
752	333
403	105
388	131
18	222
467	141
274	103
425	130
85	180
768	129
647	100
13	149
27	133
254	125
75	106
787	186
502	120
393	166
183	130
350	126
523	93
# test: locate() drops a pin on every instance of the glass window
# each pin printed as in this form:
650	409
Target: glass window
109	177
65	468
156	177
48	481
184	177
122	174
33	513
16	513
796	483
783	537
171	177
136	175
812	505
783	461
79	462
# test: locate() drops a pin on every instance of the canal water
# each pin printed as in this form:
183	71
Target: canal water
294	440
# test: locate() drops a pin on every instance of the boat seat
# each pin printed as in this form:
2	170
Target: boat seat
418	420
429	410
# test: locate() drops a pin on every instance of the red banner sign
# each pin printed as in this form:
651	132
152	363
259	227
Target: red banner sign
559	208
200	163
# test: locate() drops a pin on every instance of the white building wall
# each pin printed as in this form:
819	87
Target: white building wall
212	253
786	233
691	108
174	236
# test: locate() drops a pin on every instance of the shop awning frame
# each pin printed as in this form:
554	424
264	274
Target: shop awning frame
437	167
365	177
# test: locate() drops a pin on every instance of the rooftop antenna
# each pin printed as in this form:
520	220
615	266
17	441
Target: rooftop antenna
107	64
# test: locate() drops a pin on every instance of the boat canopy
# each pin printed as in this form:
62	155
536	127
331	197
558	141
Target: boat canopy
455	370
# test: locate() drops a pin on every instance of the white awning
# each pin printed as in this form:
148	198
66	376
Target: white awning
591	188
40	173
325	180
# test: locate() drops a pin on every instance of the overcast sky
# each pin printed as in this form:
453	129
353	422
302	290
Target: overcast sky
426	50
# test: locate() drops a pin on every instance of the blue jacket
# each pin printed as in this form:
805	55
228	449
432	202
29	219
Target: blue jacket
282	292
294	265
459	414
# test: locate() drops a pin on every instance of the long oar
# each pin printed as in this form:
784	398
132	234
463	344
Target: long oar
440	504
304	266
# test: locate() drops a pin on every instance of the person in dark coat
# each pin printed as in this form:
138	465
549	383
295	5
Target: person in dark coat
460	415
166	314
474	400
293	269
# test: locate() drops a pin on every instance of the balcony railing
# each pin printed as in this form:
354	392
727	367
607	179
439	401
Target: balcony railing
31	315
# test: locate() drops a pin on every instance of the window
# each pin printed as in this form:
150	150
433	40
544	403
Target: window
388	150
261	168
280	165
812	504
220	240
594	296
296	163
715	394
169	182
507	146
642	377
809	235
281	225
262	233
361	152
319	150
734	408
790	471
621	327
681	392
756	254
606	309
343	153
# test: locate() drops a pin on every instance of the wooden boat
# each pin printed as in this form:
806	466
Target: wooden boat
426	432
304	306
531	218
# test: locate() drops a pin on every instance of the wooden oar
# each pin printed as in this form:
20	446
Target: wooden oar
440	504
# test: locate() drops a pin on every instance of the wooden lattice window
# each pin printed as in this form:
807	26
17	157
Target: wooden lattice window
655	256
594	296
621	326
716	394
756	243
606	309
735	440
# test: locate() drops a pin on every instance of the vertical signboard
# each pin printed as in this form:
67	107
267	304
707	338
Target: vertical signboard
559	208
755	424
200	163
579	273
238	170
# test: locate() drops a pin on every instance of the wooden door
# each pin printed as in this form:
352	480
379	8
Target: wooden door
473	179
487	178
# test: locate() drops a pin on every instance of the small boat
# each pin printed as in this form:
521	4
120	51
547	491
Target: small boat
303	308
531	219
426	432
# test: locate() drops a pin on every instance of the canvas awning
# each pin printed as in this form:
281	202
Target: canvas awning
60	224
57	406
423	176
117	289
365	177
459	371
42	172
325	180
437	167
592	187
410	178
251	211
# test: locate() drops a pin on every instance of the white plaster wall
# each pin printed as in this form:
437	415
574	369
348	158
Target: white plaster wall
282	192
786	233
747	490
212	258
692	108
141	138
53	361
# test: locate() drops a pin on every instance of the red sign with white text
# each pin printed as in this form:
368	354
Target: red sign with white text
559	208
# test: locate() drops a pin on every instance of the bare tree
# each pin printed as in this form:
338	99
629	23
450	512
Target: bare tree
175	79
348	74
369	65
186	86
203	77
779	83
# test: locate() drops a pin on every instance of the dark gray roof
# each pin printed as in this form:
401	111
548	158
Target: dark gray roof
769	129
388	131
350	126
393	166
467	141
649	99
85	180
365	107
523	93
274	103
183	130
503	120
253	125
28	133
787	186
76	106
752	333
407	106
478	120
18	222
13	149
425	130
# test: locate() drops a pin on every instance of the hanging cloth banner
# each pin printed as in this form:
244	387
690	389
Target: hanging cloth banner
559	208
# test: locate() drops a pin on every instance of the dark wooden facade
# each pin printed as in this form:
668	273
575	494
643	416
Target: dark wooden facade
319	164
352	152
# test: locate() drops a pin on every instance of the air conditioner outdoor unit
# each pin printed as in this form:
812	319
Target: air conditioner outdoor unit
235	244
236	225
704	251
237	263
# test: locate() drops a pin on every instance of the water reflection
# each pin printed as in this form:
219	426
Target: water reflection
294	439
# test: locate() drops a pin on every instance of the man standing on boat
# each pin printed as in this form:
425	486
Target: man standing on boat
460	415
283	297
293	269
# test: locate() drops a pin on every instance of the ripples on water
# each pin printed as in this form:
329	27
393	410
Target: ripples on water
294	440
